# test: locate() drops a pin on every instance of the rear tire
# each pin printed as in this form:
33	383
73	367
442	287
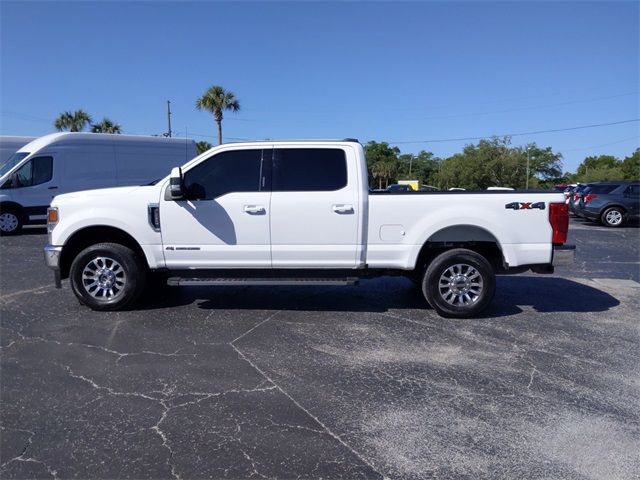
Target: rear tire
10	221
107	276
459	283
613	217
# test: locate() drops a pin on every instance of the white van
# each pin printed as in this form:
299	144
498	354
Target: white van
10	144
69	162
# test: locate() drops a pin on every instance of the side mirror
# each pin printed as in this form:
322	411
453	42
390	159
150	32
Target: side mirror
176	185
14	181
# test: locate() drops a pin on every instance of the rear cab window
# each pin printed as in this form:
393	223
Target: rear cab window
309	169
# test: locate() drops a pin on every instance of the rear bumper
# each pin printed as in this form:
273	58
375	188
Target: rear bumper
52	260
563	255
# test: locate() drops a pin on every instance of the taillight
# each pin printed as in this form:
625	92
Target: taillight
576	196
559	220
589	196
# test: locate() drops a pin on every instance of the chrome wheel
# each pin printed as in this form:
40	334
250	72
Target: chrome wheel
613	217
9	222
460	284
104	278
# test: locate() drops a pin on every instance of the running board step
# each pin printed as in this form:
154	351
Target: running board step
210	282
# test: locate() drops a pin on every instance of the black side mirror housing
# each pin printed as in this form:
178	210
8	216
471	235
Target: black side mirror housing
176	184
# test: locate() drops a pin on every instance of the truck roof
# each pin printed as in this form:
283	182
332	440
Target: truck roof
293	140
81	137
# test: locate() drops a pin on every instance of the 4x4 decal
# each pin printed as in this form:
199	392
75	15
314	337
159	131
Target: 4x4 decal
524	205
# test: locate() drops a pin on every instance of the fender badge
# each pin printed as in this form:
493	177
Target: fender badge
525	205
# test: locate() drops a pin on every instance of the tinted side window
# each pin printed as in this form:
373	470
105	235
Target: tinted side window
633	190
602	188
309	169
235	171
42	170
36	171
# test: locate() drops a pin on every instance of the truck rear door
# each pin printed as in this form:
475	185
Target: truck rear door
314	207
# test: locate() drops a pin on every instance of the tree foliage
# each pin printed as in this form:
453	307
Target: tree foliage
218	100
382	163
599	168
631	166
422	167
72	121
106	126
203	146
495	163
77	121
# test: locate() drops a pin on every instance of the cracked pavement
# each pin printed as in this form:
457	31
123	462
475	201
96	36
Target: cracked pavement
320	382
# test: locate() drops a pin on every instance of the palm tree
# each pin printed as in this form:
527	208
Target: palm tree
383	170
72	121
203	146
106	126
216	100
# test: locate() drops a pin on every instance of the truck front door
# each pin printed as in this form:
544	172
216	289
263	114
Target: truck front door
223	222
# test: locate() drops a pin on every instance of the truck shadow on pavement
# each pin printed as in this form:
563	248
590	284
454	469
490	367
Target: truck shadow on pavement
542	294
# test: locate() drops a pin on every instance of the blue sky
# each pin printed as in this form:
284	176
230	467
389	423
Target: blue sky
384	71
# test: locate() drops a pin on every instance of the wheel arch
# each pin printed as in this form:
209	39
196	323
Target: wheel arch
614	204
88	236
471	237
12	205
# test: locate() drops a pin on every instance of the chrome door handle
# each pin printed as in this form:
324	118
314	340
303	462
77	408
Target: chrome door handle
342	208
252	209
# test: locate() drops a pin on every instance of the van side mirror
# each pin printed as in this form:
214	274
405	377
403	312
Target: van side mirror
176	184
12	182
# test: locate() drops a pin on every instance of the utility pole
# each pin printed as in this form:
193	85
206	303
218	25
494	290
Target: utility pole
168	134
410	162
527	181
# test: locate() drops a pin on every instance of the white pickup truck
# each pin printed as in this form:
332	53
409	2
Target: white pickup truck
298	212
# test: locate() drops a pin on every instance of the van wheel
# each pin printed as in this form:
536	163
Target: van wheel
107	276
459	283
612	217
10	221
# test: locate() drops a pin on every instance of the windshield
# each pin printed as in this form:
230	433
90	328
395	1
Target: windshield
12	161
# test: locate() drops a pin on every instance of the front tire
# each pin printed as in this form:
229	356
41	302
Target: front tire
10	221
459	283
107	276
612	217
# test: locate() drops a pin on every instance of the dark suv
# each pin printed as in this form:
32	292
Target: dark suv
612	203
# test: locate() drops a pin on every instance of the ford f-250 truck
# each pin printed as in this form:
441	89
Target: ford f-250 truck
298	212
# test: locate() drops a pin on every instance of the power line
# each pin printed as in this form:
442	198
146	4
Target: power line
519	134
532	107
602	144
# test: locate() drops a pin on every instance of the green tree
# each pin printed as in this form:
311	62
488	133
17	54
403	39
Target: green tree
545	168
203	147
218	100
489	163
72	121
597	168
494	162
631	166
423	167
382	162
106	126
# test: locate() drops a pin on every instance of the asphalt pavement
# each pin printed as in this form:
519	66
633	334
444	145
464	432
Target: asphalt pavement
326	382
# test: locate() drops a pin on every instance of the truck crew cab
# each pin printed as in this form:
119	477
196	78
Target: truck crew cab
298	212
